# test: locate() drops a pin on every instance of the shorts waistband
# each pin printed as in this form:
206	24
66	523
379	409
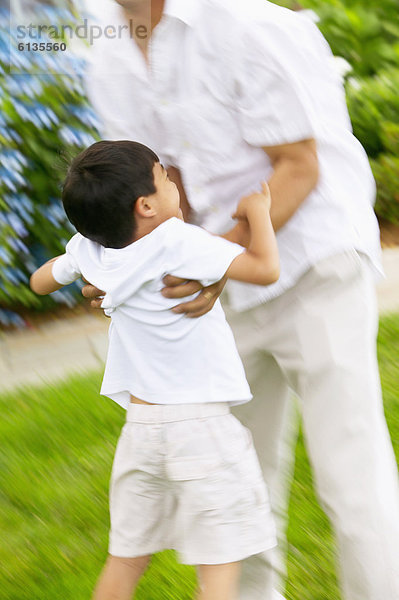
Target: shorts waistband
167	413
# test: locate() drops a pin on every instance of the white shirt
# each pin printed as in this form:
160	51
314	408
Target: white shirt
227	77
155	354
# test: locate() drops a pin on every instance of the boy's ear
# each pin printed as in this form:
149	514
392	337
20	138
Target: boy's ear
144	207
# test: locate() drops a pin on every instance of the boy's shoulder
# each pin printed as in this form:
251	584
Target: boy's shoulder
74	242
175	228
79	243
177	231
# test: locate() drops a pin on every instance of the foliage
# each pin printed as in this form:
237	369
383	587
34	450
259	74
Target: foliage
386	173
367	37
43	119
374	108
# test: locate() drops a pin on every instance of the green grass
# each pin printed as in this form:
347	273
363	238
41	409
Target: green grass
311	572
56	451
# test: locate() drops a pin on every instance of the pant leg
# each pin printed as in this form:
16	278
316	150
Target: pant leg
322	336
336	376
266	416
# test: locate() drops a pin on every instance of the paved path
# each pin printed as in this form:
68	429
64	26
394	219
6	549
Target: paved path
79	343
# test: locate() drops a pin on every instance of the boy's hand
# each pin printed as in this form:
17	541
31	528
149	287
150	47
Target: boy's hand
248	203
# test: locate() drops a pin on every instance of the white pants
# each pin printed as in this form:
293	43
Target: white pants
318	339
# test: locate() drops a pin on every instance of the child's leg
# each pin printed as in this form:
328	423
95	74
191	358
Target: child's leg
120	577
218	582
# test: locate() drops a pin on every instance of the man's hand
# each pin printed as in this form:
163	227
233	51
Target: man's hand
93	294
175	288
203	303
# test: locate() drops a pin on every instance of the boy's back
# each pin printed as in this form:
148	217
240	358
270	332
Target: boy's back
155	354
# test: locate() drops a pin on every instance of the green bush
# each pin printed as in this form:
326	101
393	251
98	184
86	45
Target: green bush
374	108
386	173
367	36
44	118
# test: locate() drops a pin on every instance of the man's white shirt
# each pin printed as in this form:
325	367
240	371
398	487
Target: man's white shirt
155	354
226	77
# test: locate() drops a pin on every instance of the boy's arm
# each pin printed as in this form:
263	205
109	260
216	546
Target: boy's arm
259	264
239	234
42	281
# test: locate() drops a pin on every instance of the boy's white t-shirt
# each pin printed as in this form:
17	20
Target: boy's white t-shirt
155	354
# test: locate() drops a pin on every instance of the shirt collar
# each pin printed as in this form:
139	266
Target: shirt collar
184	10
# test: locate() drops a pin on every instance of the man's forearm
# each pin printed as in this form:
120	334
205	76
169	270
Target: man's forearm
295	175
289	187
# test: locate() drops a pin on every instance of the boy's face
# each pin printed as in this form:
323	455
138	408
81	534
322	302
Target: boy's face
167	197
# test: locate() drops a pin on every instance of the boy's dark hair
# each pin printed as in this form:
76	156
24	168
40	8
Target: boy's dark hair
101	189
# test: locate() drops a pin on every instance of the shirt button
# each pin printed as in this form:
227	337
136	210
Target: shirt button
214	209
186	144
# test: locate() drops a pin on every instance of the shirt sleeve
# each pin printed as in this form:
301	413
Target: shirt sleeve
200	255
280	64
65	269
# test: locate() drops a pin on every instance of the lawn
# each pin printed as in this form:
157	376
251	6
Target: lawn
55	458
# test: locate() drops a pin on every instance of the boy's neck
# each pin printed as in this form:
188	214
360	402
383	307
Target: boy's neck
143	228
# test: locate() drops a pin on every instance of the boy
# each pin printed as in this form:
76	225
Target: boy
185	473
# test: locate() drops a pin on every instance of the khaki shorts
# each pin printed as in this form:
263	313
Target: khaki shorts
187	477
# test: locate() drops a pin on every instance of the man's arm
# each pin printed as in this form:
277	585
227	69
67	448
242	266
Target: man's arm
295	175
42	281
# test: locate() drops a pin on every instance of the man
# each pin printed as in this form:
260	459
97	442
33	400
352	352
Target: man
228	92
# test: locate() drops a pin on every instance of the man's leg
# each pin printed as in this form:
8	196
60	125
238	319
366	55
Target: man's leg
344	425
269	418
120	577
218	582
322	335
